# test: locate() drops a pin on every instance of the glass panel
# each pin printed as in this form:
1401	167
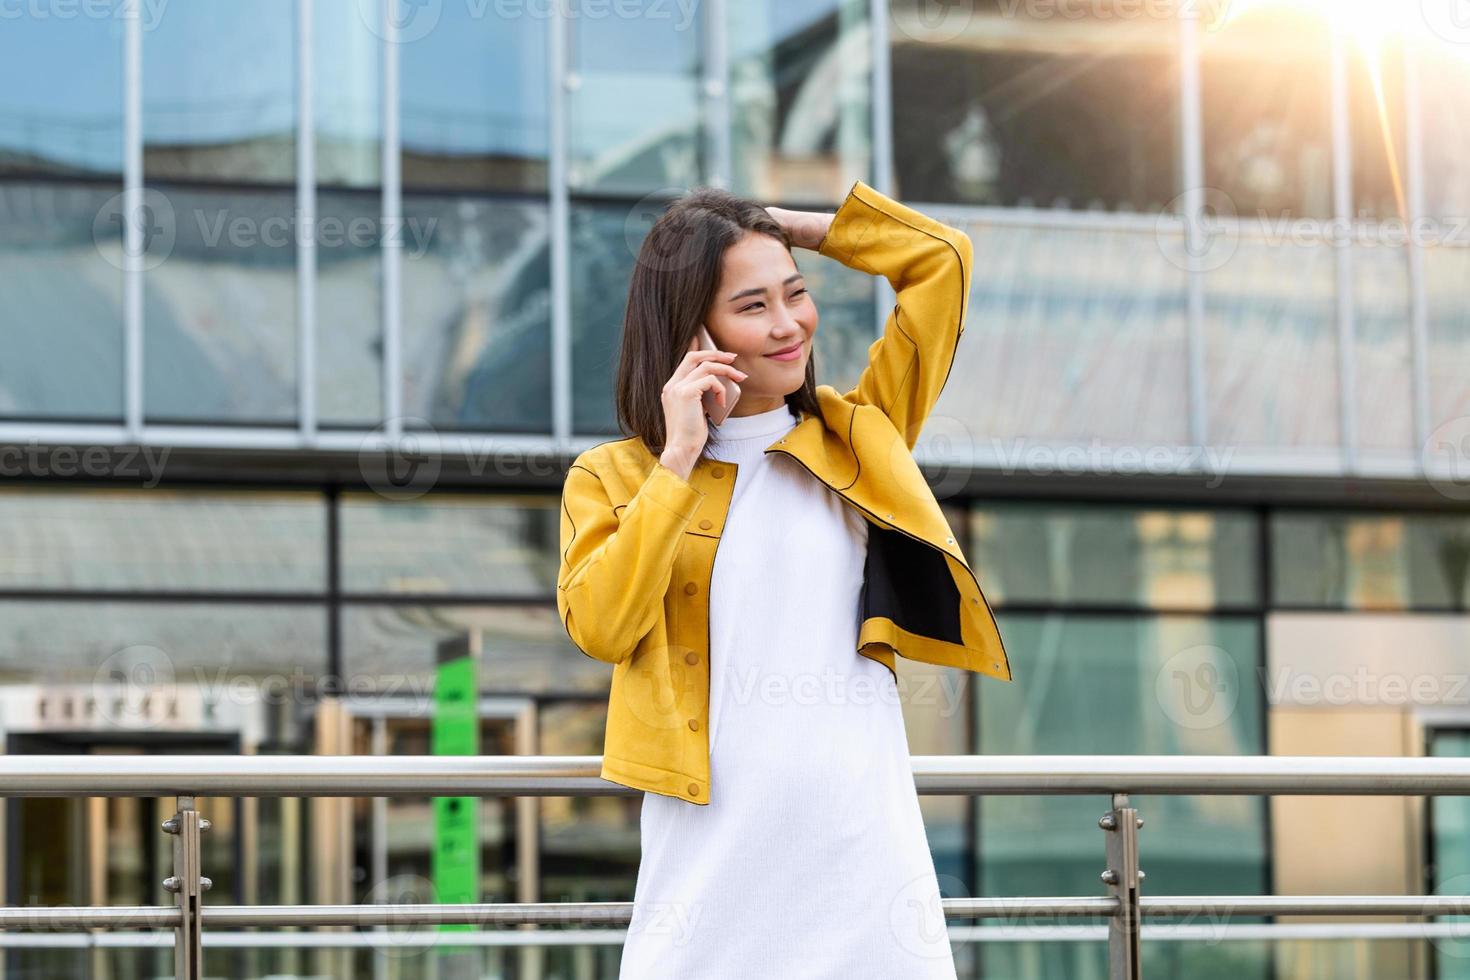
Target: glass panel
61	245
604	245
525	649
219	93
1092	326
1116	685
800	98
480	545
473	106
162	540
1010	104
1444	99
347	75
1384	357
1101	553
1271	347
61	260
477	314
1446	271
219	307
634	109
60	102
45	641
1371	561
1265	81
349	308
1377	129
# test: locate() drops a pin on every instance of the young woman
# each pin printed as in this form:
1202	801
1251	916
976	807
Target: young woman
752	582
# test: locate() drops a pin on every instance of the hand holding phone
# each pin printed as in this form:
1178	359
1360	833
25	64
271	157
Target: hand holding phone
717	413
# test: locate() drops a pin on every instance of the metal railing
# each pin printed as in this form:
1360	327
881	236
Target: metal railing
1122	904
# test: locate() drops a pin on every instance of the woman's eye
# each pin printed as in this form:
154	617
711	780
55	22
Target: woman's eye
799	291
751	307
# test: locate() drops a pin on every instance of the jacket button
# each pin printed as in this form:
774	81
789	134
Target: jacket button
706	525
694	724
717	472
691	658
949	540
693	789
690	588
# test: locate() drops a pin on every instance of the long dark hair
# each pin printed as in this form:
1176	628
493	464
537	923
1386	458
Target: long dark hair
671	291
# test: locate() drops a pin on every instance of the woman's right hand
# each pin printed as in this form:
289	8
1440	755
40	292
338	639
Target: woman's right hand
685	426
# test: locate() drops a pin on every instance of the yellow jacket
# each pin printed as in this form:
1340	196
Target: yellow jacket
638	541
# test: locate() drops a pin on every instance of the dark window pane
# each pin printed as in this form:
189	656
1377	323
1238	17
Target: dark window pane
1010	104
473	104
800	83
163	540
447	543
1150	559
477	314
1266	80
1371	561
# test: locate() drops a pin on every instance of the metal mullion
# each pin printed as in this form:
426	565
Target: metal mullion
1342	209
558	228
306	218
390	240
882	170
1418	287
1192	171
715	93
132	227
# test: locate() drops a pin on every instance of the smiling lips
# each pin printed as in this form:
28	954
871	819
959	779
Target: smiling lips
789	354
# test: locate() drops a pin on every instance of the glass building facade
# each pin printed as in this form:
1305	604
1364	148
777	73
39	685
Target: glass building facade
306	304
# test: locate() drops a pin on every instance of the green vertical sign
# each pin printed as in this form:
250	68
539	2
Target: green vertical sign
456	731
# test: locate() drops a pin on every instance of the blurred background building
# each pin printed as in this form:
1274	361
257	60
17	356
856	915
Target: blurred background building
1207	433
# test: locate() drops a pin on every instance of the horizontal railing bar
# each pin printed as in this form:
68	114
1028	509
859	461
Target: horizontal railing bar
1225	932
363	776
620	913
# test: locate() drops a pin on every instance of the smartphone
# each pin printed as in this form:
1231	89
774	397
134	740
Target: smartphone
712	407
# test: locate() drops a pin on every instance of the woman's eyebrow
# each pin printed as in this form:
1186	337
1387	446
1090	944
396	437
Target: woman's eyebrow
762	289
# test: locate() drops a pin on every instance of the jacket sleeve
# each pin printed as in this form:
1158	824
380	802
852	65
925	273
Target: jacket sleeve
614	571
928	265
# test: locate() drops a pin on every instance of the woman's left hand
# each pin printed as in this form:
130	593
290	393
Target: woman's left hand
806	229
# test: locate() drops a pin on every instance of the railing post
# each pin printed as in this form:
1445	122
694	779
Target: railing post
1123	879
189	886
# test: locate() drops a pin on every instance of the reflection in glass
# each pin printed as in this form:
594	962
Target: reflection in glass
634	108
219	93
60	111
61	260
473	103
604	246
1371	561
1444	99
1446	272
800	101
477	314
219	306
1110	685
1017	106
163	540
349	308
44	641
1266	104
1071	335
392	648
1377	131
1271	347
449	543
347	75
1103	553
1384	357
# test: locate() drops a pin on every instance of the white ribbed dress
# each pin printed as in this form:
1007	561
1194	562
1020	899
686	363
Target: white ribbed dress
810	861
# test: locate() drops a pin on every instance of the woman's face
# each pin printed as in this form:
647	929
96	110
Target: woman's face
762	307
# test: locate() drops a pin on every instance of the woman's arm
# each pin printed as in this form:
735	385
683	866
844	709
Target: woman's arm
614	573
928	264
